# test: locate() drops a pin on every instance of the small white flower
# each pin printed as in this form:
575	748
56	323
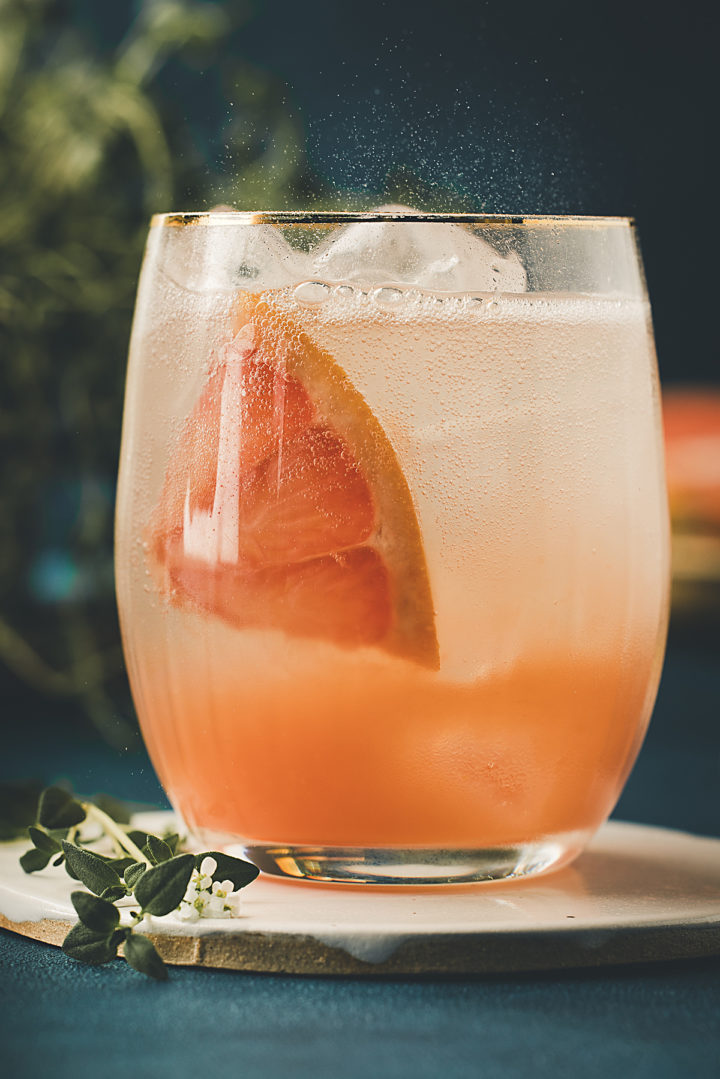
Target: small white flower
204	878
222	888
217	907
187	912
232	905
206	898
201	904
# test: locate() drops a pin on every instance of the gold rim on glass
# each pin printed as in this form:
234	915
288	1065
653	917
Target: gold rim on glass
344	217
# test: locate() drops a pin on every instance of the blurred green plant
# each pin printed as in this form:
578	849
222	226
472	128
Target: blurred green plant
92	141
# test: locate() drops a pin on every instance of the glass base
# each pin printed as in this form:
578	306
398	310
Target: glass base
414	866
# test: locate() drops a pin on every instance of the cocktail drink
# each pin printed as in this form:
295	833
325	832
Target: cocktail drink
392	552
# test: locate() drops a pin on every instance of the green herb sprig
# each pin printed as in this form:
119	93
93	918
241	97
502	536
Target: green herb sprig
148	867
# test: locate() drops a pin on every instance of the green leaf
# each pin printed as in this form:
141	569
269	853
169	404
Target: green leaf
18	808
240	872
59	860
121	864
97	914
133	873
58	809
58	834
141	954
118	864
172	839
70	872
156	850
88	946
162	888
119	811
138	838
95	874
34	859
43	841
114	892
148	854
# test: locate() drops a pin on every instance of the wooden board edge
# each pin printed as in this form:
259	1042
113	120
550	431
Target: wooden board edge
47	930
437	956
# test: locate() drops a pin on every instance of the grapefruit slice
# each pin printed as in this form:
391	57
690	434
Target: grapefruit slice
284	505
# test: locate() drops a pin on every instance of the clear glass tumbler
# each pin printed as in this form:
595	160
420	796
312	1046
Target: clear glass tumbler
392	538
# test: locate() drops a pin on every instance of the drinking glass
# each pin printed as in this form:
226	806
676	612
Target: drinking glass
392	537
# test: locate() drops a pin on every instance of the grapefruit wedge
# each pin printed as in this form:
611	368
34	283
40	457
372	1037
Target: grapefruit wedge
284	506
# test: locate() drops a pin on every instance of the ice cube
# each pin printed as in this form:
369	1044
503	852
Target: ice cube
209	257
264	259
428	254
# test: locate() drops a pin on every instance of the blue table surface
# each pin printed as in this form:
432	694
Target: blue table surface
656	1020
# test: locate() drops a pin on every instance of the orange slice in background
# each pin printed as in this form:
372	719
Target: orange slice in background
691	420
284	505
